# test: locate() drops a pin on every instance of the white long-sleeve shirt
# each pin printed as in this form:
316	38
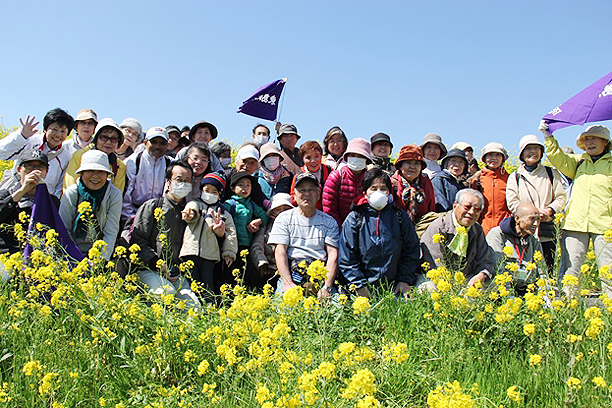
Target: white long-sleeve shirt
12	146
145	184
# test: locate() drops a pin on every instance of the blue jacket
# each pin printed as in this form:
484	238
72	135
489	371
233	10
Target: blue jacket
381	249
445	189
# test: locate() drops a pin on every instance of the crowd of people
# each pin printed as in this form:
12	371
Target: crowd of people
375	222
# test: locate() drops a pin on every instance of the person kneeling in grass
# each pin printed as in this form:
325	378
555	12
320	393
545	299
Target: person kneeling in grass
514	246
457	241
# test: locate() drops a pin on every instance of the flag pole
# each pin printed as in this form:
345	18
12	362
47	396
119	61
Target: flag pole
280	109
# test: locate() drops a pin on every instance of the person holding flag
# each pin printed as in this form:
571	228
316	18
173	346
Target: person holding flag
589	214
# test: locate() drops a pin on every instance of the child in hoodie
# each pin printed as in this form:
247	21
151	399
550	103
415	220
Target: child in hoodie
210	236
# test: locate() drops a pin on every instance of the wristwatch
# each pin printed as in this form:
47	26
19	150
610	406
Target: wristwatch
327	288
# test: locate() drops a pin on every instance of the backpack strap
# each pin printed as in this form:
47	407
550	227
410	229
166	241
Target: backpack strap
138	157
550	174
232	207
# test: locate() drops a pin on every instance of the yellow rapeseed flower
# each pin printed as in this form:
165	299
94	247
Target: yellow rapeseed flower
437	238
361	305
599	381
535	359
574	383
508	251
514	394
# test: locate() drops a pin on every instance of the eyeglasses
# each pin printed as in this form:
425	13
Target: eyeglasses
199	159
104	139
34	166
470	207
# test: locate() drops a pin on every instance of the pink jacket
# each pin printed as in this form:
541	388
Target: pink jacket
341	189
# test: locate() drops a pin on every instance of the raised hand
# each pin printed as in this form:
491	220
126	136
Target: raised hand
28	129
218	224
187	215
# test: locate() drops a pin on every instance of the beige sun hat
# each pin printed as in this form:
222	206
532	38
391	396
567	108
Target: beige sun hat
85	114
94	160
529	140
493	147
599	131
462	146
278	200
268	149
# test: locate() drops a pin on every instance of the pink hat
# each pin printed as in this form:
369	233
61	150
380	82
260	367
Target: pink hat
359	146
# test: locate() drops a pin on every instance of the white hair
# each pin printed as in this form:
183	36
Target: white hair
475	193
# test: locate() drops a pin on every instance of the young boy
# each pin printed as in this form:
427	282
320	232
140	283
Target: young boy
210	234
248	219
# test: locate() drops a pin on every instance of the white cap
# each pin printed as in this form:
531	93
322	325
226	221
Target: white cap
248	152
156	132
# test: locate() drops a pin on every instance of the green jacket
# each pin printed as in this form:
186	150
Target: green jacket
244	211
590	205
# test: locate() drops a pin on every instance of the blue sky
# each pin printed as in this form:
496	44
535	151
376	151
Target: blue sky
473	71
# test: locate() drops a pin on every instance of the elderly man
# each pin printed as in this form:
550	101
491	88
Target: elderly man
305	234
146	171
57	124
462	245
517	234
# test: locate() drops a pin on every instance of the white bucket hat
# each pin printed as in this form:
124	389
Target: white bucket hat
94	160
599	131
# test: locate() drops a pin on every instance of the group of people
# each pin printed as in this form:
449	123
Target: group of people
374	221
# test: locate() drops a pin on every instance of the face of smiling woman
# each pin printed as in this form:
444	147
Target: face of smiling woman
94	179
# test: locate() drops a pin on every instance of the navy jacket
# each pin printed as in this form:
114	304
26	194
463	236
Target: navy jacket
381	249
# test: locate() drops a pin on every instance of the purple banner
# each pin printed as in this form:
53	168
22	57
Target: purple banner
45	212
593	104
263	103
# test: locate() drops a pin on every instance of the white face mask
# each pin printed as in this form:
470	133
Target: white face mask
378	200
180	189
225	162
356	163
261	140
272	162
209	198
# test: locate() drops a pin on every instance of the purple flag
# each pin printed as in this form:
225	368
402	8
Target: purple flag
45	212
263	103
592	104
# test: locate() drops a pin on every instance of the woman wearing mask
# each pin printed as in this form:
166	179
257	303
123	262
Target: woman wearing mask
412	189
104	199
343	185
335	144
273	177
378	243
450	180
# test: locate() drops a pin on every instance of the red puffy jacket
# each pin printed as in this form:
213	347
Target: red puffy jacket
341	189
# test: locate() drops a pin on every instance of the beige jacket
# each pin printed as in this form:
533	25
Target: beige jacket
199	239
535	188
